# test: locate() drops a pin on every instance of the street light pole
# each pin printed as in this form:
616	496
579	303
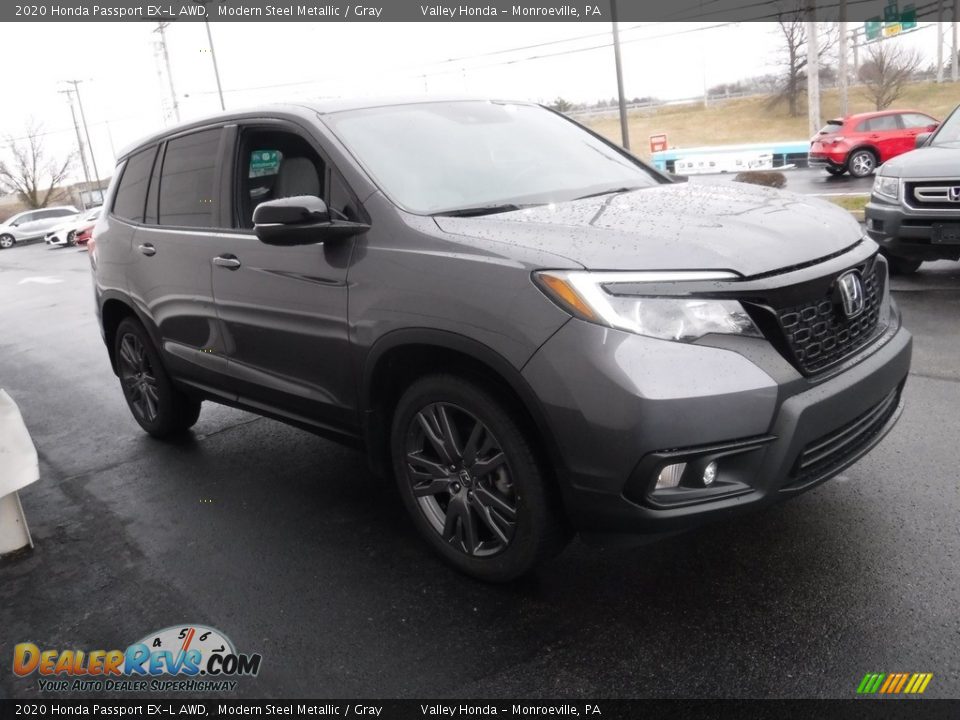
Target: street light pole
624	130
843	58
86	131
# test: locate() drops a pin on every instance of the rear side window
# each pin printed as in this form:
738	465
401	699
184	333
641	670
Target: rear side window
132	191
187	197
883	122
832	126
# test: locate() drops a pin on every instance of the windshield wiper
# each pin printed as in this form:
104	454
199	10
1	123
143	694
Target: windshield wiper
480	210
610	191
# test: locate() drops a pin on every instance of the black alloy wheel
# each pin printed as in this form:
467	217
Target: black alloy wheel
157	405
471	478
461	479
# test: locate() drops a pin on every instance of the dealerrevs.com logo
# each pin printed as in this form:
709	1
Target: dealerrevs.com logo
186	658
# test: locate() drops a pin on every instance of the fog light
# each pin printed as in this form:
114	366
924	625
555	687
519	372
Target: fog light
710	473
670	476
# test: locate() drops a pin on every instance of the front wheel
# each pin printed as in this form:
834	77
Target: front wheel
159	407
862	163
470	480
6	241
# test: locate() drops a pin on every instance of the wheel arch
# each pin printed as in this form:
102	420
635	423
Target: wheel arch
113	310
402	356
864	146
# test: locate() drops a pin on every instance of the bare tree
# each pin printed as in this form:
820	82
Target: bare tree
30	171
887	68
793	56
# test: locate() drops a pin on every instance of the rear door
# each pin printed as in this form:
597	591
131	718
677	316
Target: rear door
284	309
172	248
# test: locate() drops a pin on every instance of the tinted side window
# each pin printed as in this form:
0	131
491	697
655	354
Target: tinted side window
883	122
187	196
132	191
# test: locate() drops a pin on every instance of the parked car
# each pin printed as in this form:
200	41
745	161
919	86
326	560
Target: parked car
32	224
860	143
84	235
66	232
529	328
914	208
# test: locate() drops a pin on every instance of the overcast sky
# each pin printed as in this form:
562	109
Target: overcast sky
124	98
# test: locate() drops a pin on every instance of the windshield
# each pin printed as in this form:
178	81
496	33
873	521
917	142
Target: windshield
439	157
949	133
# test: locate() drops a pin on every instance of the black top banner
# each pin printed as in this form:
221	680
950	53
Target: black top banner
880	11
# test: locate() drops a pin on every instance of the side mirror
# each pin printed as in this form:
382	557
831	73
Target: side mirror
301	220
921	139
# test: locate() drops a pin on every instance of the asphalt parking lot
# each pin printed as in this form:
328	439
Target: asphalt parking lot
288	545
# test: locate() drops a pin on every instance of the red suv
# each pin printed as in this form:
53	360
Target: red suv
862	143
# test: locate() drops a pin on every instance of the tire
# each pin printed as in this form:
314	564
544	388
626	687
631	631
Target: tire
836	172
69	241
862	163
903	266
7	242
159	407
494	523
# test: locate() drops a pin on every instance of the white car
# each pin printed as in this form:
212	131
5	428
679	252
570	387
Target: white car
63	234
32	224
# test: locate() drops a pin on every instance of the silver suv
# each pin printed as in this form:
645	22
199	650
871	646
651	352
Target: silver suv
32	224
531	330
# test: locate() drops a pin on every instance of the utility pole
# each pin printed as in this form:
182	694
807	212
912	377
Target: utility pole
624	129
216	70
161	29
856	56
956	48
939	41
843	58
83	154
813	74
86	132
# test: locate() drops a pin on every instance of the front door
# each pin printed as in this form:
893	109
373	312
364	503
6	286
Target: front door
284	309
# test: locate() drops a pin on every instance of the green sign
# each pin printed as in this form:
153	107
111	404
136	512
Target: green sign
890	14
872	28
908	18
264	162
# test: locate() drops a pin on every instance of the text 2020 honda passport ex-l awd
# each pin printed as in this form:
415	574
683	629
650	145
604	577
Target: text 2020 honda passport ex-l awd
533	331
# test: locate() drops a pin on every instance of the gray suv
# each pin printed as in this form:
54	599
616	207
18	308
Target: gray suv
531	330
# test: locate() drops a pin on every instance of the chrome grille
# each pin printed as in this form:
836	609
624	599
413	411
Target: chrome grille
933	194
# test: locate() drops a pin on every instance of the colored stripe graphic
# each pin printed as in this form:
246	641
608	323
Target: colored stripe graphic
894	683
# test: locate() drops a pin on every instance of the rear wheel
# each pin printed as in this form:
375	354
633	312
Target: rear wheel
159	407
861	163
6	241
470	480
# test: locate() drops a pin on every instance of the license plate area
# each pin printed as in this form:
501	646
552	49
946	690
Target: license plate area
945	234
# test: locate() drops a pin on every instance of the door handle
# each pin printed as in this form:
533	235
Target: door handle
228	261
148	249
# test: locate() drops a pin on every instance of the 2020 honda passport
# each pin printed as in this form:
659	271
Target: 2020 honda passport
532	330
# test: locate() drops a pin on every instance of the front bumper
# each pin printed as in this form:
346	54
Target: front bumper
906	233
637	399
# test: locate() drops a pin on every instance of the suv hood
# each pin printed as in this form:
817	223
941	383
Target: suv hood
937	161
748	229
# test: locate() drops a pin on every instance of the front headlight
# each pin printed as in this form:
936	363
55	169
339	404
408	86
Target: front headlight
600	297
888	187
